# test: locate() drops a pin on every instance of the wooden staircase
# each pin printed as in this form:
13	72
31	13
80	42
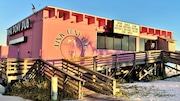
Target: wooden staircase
70	84
72	78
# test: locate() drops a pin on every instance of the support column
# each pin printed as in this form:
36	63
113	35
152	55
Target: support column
137	44
157	69
163	71
54	88
114	87
154	70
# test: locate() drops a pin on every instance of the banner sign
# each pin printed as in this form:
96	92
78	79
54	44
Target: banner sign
121	27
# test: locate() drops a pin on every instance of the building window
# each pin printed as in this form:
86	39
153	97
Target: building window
109	42
142	44
116	42
125	43
132	43
101	41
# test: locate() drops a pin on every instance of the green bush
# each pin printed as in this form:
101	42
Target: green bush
37	89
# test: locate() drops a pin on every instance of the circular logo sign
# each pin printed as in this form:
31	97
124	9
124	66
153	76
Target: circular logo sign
71	46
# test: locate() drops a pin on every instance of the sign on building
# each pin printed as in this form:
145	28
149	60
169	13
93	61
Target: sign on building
121	27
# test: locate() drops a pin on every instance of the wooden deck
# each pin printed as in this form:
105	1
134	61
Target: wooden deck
75	73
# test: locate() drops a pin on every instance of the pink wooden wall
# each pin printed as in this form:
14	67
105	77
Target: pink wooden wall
8	51
58	33
32	47
73	35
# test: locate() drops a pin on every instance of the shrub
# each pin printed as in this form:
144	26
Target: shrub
37	89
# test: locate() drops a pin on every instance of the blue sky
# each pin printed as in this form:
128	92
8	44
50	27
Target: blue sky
163	14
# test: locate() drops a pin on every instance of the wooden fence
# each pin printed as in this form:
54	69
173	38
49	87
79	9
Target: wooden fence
15	68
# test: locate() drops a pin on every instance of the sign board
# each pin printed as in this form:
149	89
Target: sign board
23	25
121	27
18	40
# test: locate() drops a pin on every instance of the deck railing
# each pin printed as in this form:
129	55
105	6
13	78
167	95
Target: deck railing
15	68
173	57
102	62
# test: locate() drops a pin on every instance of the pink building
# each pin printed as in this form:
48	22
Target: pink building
54	33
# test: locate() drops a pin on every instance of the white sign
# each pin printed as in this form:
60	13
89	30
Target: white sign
126	28
18	40
25	24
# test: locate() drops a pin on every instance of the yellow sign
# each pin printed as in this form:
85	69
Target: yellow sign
126	28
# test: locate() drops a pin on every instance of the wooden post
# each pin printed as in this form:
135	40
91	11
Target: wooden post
54	88
94	63
79	73
154	70
80	93
106	70
7	71
25	69
146	58
64	84
157	69
163	66
116	64
134	61
37	66
176	69
114	86
163	70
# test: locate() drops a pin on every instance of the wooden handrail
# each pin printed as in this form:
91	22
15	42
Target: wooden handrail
88	70
95	79
60	70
